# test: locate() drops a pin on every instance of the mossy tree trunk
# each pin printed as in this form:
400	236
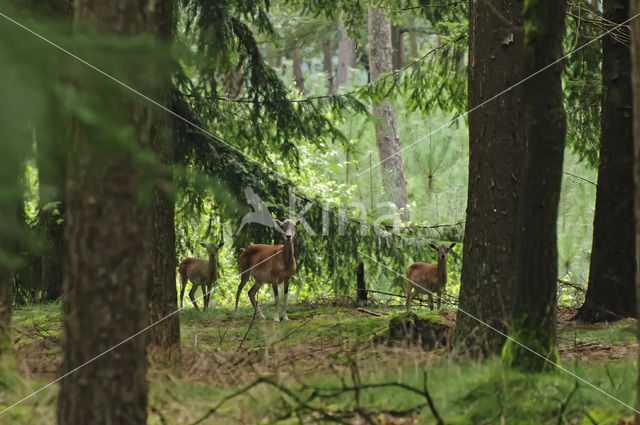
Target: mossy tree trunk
107	258
635	80
611	291
534	318
497	153
394	181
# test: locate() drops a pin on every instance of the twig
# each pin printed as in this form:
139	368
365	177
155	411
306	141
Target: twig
253	319
572	285
221	338
287	335
430	400
580	178
564	405
373	313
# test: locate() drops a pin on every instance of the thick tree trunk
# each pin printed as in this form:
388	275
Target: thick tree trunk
497	152
346	56
107	261
387	138
328	64
164	338
534	323
611	292
635	80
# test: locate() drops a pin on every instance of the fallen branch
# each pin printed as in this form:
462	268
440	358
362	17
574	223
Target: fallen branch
572	285
373	313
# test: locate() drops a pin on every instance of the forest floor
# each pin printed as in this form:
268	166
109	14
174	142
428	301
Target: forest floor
333	363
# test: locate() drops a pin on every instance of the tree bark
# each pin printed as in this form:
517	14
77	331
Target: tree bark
635	81
397	45
611	291
534	323
394	181
51	178
164	338
346	56
8	246
328	64
296	63
12	155
497	151
107	261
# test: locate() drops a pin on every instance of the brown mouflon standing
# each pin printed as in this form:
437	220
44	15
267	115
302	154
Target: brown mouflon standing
272	264
427	278
201	273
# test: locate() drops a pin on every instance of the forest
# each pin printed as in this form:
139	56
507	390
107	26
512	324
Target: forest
320	211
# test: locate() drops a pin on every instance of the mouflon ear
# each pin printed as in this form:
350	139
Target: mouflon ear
298	221
278	222
452	245
432	245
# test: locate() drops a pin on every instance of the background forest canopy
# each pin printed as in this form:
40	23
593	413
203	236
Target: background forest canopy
283	93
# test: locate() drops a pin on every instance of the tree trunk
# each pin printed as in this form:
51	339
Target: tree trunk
296	63
346	56
8	246
12	154
397	45
534	323
51	177
497	152
387	139
164	338
635	80
107	261
413	45
611	292
328	64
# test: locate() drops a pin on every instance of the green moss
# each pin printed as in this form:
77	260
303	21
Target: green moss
404	317
515	355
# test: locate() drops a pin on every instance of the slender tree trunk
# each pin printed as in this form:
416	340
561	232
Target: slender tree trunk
107	261
497	151
328	64
346	56
387	138
51	178
635	80
611	292
12	229
397	45
534	323
296	63
413	45
8	246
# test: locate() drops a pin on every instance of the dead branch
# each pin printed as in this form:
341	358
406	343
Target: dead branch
373	313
